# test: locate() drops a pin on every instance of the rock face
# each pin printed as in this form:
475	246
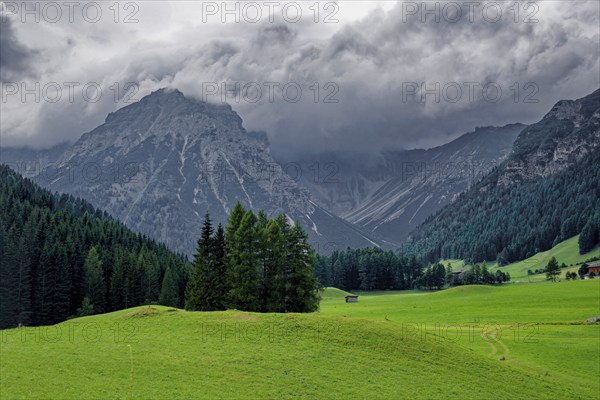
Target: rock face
158	165
567	134
393	194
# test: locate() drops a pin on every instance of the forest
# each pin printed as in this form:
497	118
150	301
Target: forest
61	258
509	223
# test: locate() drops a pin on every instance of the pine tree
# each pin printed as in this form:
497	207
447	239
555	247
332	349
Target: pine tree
263	255
274	280
220	269
302	290
147	264
244	281
235	219
201	293
552	269
168	292
46	296
87	308
118	288
438	276
588	237
8	300
95	287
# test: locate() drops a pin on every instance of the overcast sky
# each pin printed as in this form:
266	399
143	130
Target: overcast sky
361	66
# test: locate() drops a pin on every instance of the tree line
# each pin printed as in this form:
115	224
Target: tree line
374	269
61	257
253	264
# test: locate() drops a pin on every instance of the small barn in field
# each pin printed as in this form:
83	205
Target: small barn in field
351	299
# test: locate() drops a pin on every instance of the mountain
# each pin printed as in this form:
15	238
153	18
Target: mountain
30	162
161	163
391	195
546	191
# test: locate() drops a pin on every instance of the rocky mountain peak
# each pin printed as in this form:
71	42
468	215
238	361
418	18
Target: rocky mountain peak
566	134
168	159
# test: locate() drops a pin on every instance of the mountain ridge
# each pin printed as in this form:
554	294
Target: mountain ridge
391	193
553	172
159	164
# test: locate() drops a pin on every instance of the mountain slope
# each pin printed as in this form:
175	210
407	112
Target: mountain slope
393	194
160	164
548	190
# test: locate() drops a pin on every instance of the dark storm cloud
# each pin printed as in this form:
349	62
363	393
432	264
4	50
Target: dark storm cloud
367	64
14	56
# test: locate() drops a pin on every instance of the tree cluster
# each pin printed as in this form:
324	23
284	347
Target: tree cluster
570	275
590	234
374	269
478	274
253	264
61	257
368	269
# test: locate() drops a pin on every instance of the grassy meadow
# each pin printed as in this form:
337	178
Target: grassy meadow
565	252
471	342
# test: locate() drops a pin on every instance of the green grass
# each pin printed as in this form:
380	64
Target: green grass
388	345
334	293
565	252
538	328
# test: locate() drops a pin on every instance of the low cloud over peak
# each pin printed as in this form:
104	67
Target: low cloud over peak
391	77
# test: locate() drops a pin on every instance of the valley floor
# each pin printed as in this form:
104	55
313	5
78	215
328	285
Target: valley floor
471	342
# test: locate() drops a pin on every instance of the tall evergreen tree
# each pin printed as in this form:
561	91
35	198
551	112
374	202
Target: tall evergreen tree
552	269
95	287
220	285
201	294
589	237
235	220
301	289
244	280
263	257
274	279
168	292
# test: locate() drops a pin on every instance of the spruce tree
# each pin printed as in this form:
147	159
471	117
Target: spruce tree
552	269
235	219
117	292
589	236
301	288
168	292
274	280
244	281
95	287
201	293
263	256
220	286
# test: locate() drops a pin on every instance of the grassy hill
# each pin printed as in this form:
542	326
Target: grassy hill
539	329
334	293
372	349
565	252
